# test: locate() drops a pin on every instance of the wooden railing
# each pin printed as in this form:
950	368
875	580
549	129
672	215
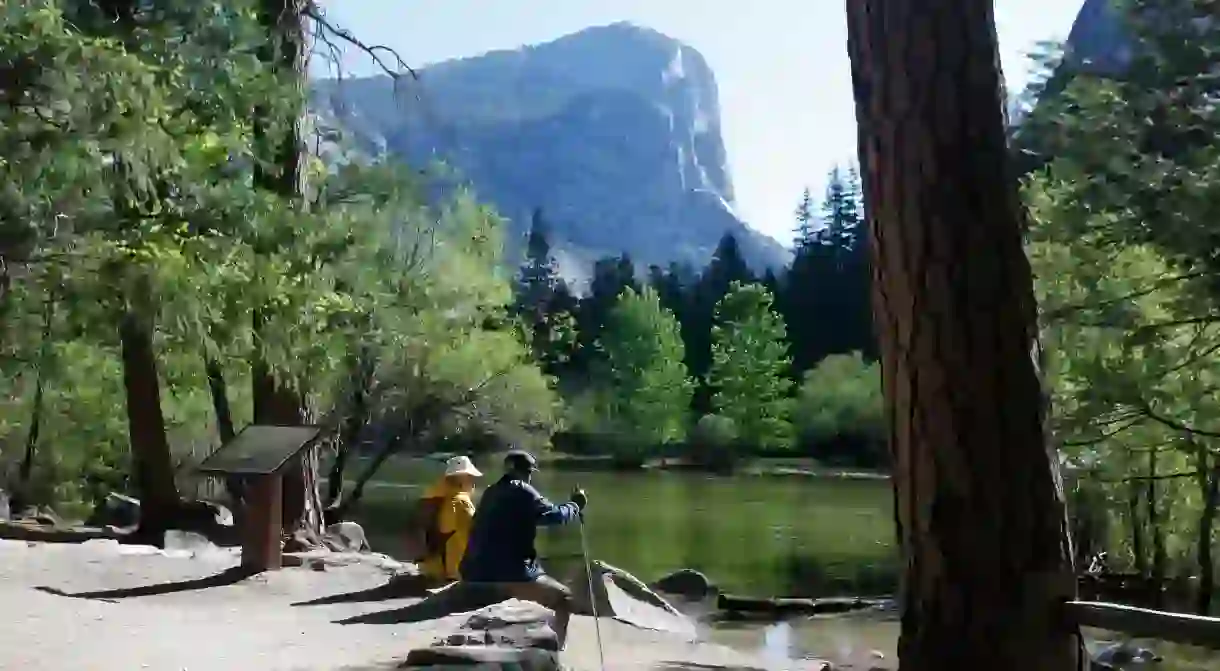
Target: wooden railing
1146	623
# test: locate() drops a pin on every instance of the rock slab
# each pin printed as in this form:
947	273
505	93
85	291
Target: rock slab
513	632
525	659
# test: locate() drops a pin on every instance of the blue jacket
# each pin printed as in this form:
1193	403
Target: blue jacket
501	546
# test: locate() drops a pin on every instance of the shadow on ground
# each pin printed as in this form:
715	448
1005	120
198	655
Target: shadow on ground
695	666
457	598
229	576
398	587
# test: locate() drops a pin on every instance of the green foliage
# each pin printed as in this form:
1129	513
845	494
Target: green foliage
749	370
825	295
715	432
128	155
645	390
1123	250
841	397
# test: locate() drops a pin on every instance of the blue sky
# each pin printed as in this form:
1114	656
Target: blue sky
781	67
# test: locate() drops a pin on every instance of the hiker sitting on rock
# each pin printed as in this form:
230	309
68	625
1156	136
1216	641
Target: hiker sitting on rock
450	512
501	553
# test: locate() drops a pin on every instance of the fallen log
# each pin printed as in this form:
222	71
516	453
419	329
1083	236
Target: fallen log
25	531
741	606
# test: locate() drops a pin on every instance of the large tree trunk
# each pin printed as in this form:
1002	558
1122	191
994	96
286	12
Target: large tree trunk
980	507
150	455
277	401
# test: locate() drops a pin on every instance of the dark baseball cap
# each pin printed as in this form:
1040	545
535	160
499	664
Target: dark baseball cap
520	460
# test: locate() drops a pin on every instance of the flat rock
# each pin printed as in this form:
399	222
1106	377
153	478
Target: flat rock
529	635
525	659
508	613
514	623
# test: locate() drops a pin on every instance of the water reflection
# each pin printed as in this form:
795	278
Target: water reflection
752	535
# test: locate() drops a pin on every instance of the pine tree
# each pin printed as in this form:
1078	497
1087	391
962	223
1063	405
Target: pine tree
539	276
611	277
806	221
749	374
542	300
840	215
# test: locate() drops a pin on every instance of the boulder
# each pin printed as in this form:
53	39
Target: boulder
345	537
42	516
1123	655
530	635
619	595
687	583
513	623
116	510
514	632
188	544
494	656
506	614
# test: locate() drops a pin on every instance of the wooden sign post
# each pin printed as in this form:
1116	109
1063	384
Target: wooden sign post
259	455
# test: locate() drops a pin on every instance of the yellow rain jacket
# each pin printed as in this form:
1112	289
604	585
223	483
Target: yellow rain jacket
455	517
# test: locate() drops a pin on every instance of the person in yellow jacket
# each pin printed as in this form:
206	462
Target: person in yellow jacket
455	514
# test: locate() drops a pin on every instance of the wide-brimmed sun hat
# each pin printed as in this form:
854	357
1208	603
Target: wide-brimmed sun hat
461	466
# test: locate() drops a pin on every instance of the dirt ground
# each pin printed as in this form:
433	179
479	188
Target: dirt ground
103	607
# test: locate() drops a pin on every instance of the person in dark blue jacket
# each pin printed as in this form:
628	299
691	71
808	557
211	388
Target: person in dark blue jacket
501	552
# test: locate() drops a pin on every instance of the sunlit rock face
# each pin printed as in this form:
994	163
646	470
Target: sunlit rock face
1098	40
613	132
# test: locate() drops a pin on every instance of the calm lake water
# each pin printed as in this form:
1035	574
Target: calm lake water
752	535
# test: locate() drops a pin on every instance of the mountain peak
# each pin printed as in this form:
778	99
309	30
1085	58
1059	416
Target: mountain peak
613	132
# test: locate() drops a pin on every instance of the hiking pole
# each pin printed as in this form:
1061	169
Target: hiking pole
597	625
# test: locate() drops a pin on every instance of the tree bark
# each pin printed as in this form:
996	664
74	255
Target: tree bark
25	471
151	460
981	516
1209	488
360	375
234	485
277	401
1138	555
220	399
343	507
1159	555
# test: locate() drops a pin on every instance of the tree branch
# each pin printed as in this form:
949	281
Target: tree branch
374	51
1176	425
1062	311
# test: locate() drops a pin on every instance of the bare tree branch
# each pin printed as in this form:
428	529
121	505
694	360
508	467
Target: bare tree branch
374	51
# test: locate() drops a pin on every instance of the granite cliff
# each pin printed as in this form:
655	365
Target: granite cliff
613	132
